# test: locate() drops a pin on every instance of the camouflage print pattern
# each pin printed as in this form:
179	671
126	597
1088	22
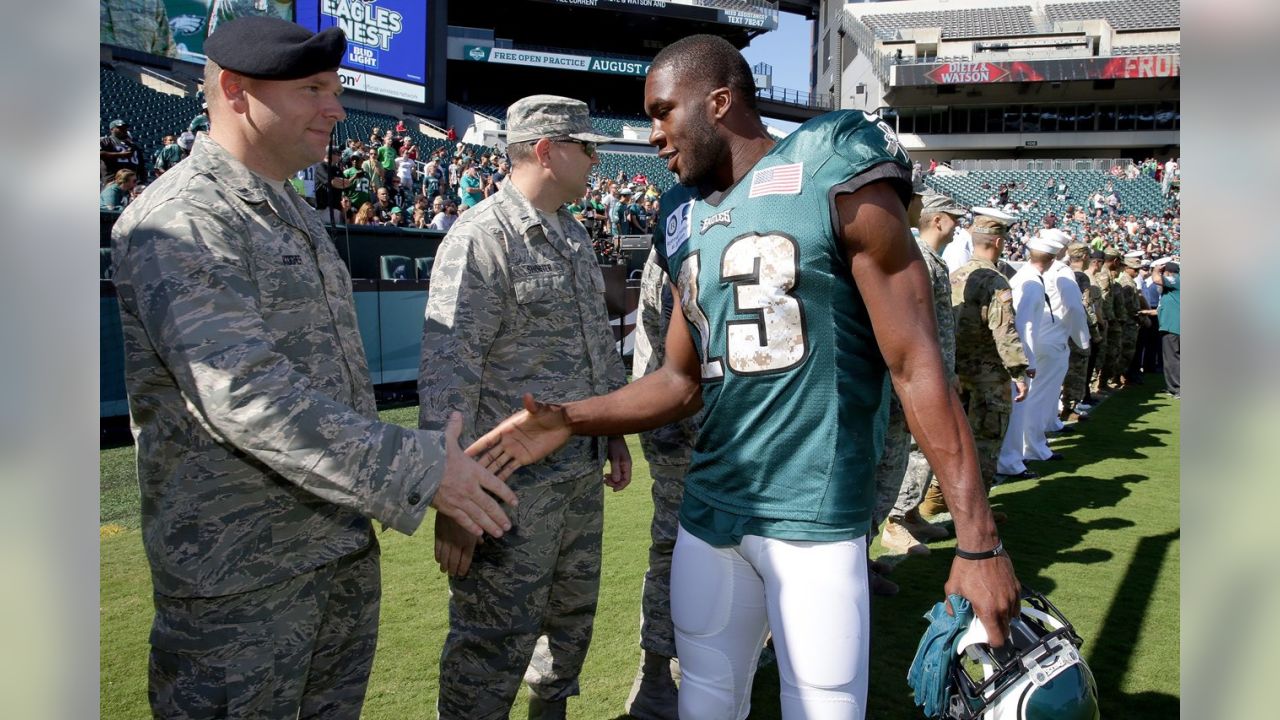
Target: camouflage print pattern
668	451
1100	279
987	345
1115	331
1129	330
1076	383
898	491
657	633
301	648
539	580
989	355
136	24
893	461
260	455
988	406
517	305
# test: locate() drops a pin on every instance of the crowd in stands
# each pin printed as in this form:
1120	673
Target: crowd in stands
388	180
1096	215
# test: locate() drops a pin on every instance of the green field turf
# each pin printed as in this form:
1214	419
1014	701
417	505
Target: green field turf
1099	534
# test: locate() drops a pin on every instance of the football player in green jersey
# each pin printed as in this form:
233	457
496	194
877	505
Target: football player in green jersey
800	294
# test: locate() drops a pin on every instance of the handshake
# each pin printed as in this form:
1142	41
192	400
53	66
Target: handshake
474	477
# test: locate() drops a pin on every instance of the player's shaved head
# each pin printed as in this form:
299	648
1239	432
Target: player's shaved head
710	61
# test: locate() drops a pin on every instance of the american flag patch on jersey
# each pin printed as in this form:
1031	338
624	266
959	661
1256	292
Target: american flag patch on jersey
777	180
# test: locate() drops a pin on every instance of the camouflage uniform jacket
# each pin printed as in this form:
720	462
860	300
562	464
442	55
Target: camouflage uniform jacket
1128	303
670	444
987	345
941	282
1092	304
515	307
1106	294
260	454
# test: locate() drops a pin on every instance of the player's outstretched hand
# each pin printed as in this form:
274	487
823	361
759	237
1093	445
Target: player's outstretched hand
522	439
1022	391
464	492
619	475
993	591
454	546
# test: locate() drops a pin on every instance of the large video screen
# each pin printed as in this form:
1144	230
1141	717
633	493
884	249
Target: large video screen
176	28
386	43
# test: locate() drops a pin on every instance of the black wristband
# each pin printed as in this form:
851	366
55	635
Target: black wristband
986	555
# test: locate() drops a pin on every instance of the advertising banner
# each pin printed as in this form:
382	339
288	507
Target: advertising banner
384	37
560	61
1127	67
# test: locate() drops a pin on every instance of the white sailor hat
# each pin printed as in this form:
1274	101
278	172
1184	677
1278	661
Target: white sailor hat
995	213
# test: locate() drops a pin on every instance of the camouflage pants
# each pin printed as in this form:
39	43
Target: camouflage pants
1111	366
1098	358
302	648
540	579
988	406
657	634
1076	382
1128	347
893	462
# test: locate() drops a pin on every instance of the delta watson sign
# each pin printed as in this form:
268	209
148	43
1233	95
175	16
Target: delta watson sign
562	61
1128	67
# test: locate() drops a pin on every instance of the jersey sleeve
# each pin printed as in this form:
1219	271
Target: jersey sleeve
866	150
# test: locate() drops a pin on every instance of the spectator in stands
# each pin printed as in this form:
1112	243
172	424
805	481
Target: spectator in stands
116	194
397	218
359	188
1062	191
432	177
365	215
401	195
119	151
420	210
500	174
185	140
382	205
330	182
200	123
352	147
387	159
400	127
470	188
451	135
405	167
445	219
374	171
167	156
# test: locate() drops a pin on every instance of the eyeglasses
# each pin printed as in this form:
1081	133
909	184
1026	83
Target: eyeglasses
587	147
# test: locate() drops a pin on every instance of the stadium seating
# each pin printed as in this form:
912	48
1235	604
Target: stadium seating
973	22
1122	14
1165	49
151	114
396	267
1136	196
422	267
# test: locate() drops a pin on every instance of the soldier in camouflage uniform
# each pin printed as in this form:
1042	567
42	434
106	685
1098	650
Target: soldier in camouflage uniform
903	473
1115	328
1133	307
668	451
1100	280
1076	385
136	24
989	353
261	459
517	306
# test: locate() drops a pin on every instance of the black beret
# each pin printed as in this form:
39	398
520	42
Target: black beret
1097	255
269	48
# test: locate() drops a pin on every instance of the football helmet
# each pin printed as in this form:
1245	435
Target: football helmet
1037	674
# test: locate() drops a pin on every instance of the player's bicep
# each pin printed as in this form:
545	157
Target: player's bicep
888	269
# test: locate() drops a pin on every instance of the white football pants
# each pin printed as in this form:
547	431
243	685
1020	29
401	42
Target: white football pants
814	598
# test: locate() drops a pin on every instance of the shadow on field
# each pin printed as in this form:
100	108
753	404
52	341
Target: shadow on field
1112	652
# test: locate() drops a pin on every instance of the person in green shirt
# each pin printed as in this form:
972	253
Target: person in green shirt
115	196
387	158
358	189
167	156
1168	276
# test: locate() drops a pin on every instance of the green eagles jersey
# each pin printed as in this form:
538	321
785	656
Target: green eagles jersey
793	381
